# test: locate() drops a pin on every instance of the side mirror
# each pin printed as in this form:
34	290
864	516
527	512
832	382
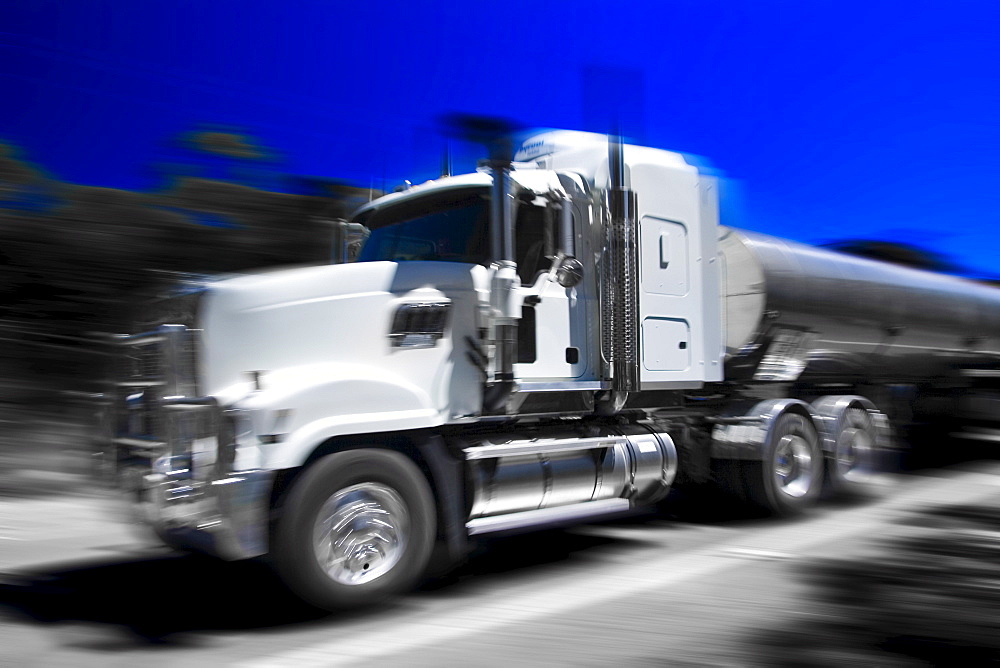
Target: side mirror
348	238
569	271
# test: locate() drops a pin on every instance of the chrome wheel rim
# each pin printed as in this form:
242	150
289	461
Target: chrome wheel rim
793	466
854	448
361	533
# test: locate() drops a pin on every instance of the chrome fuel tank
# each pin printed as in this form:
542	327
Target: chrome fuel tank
792	311
519	472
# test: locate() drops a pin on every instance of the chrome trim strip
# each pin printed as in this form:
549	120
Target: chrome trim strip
674	385
559	514
561	386
541	446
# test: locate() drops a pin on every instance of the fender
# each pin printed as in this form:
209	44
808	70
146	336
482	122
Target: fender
297	409
829	413
746	439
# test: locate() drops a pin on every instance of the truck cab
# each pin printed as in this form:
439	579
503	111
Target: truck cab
560	212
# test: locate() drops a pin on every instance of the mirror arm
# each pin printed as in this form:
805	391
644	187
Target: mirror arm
567	241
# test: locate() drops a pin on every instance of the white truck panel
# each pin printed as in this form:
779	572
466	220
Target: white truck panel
664	266
562	322
336	400
679	272
318	340
678	283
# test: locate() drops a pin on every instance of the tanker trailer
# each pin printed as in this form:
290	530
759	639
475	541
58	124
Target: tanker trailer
800	313
845	334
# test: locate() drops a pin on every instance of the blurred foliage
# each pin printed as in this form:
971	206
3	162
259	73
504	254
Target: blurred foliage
227	144
75	261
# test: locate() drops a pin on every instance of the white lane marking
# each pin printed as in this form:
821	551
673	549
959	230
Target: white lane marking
759	555
425	626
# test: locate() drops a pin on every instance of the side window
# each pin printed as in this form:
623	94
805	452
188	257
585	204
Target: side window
533	247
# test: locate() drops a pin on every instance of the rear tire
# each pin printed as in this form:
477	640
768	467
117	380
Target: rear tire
852	460
789	478
357	527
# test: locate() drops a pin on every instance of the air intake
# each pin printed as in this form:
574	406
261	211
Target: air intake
419	325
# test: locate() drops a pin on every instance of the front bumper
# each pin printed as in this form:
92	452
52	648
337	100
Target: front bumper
188	495
226	518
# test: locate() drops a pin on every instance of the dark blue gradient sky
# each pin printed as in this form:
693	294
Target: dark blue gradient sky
834	119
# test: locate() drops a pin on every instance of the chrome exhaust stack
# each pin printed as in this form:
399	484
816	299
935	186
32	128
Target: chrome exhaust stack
505	306
619	294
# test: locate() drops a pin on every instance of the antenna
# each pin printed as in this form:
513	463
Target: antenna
446	159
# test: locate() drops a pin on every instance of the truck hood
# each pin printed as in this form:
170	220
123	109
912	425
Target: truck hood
285	287
280	322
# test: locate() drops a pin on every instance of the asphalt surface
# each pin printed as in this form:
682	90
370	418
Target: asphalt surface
691	586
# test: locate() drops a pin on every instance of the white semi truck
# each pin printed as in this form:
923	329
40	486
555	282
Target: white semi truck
553	339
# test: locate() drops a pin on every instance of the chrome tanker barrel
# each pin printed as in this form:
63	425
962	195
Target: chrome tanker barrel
797	312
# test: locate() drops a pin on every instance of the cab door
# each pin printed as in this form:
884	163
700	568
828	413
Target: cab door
554	337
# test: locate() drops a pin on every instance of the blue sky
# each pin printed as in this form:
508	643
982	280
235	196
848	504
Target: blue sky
833	119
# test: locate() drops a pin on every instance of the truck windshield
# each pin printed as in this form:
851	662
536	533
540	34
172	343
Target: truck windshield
450	227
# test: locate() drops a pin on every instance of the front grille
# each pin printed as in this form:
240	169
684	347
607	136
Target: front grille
179	360
164	428
154	365
143	362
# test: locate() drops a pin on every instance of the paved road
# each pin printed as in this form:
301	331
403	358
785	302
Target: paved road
80	587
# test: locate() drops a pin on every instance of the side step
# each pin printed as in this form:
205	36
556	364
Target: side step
540	517
541	446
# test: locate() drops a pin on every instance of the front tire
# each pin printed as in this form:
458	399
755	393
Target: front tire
356	528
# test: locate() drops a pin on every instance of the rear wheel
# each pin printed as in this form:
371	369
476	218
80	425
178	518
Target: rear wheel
851	461
358	526
789	477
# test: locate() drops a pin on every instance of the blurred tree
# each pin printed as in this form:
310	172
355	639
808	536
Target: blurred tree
78	260
227	144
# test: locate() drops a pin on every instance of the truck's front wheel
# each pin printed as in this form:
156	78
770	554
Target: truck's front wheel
357	527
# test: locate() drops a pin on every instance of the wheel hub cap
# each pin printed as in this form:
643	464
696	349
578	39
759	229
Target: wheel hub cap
853	448
793	465
360	533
